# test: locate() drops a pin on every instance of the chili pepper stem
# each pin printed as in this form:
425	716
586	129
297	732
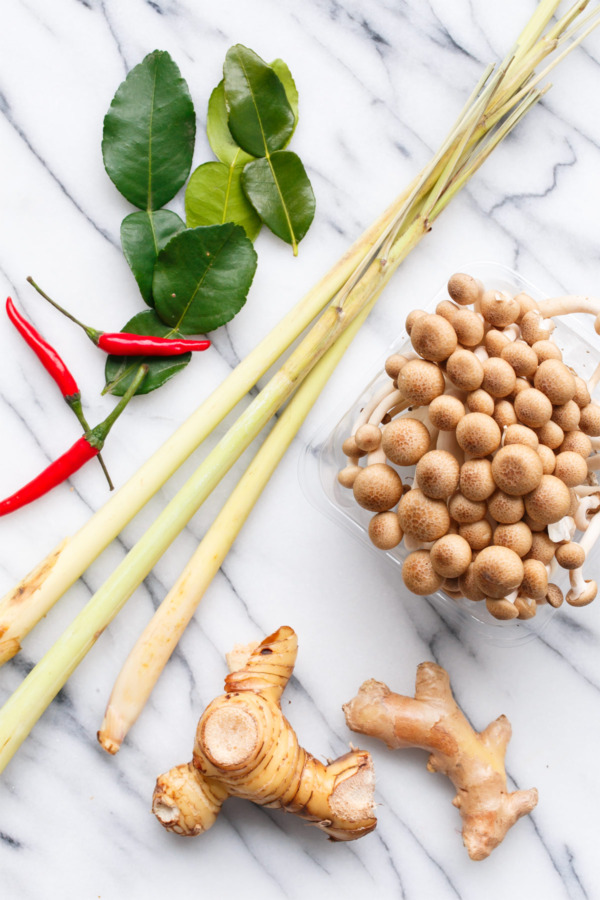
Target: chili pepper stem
60	308
74	402
97	436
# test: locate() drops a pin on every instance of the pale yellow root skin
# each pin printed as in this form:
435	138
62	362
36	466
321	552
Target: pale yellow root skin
473	761
246	748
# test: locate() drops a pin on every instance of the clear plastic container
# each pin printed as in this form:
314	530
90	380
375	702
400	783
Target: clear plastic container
324	458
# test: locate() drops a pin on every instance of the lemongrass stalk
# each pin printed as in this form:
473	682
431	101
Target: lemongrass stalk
536	25
158	640
30	600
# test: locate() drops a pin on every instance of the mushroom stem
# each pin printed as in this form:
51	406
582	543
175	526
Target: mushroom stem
387	403
385	391
411	543
512	332
446	440
584	490
593	463
587	503
594	379
583	592
561	306
563	530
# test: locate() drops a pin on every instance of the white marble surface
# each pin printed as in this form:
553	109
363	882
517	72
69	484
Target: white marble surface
379	83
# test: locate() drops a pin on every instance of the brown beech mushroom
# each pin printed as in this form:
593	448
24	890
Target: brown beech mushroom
347	475
567	416
464	289
533	408
433	337
469	327
437	474
542	548
578	442
385	531
504	414
412	317
476	480
420	381
535	579
468	585
377	487
495	342
534	327
521	357
505	508
570	555
501	609
465	511
546	350
498	571
421	517
418	574
550	500
551	435
405	440
548	459
445	412
477	534
480	401
554	596
583	592
521	434
368	437
526	304
589	421
582	394
526	606
499	308
555	380
447	309
393	364
451	556
571	468
464	370
517	469
517	537
478	434
498	377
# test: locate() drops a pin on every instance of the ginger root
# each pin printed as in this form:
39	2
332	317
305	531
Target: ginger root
246	748
474	762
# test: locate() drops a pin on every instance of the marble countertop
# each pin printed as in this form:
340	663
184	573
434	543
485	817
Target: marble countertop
379	84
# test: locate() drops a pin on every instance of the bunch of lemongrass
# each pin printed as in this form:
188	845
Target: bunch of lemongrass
502	97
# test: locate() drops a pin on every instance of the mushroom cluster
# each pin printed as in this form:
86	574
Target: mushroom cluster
504	439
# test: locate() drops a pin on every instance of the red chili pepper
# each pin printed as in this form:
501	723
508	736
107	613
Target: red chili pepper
55	366
124	344
57	472
46	354
85	448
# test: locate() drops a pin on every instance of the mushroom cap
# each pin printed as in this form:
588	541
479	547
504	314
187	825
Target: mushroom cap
521	384
350	449
567	416
445	412
495	342
501	609
582	395
468	585
480	401
505	508
498	377
464	510
533	408
464	370
385	531
447	309
517	537
578	442
548	459
526	303
499	308
476	479
394	363
589	421
546	350
498	571
550	500
575	598
542	548
468	327
377	487
504	414
464	289
550	434
555	380
412	317
433	337
368	437
517	469
570	555
521	434
535	579
477	534
526	606
418	574
535	328
451	556
347	475
521	357
437	474
423	518
405	440
478	434
554	596
420	381
571	468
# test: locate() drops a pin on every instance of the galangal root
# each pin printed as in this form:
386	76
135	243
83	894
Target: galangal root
473	761
246	748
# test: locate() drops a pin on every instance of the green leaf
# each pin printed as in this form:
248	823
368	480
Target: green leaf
279	190
202	277
291	91
219	136
261	119
149	133
120	371
143	234
214	195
